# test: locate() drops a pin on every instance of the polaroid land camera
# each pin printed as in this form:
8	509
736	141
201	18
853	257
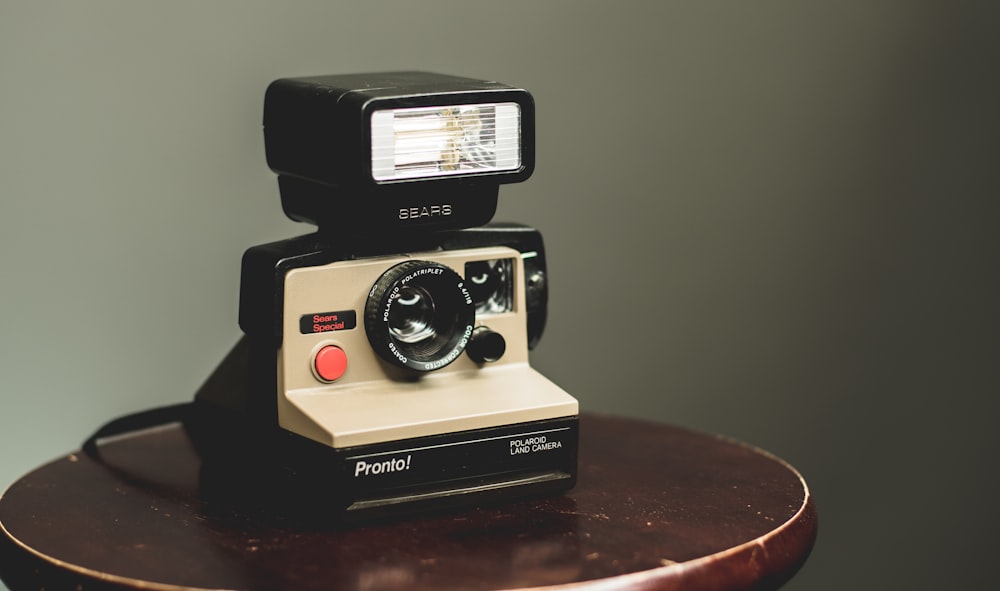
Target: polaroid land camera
385	363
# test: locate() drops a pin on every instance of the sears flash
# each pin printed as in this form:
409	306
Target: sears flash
384	366
396	151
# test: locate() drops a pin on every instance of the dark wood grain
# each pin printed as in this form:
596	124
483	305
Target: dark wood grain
656	507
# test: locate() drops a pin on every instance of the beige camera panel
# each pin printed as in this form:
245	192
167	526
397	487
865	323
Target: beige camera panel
373	401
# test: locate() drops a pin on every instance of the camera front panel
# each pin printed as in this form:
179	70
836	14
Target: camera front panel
326	306
396	329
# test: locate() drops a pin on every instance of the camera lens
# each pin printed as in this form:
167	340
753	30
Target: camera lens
411	320
419	315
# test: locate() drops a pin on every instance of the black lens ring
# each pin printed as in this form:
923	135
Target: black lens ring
454	315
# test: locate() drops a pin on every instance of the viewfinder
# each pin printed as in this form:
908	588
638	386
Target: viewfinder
491	285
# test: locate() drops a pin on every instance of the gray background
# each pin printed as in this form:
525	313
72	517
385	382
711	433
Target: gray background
775	221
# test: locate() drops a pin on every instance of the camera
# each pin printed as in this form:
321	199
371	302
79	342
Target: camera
384	365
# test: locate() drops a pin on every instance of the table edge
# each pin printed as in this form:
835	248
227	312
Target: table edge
685	575
769	572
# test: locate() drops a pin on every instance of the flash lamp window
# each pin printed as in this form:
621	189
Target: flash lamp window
425	142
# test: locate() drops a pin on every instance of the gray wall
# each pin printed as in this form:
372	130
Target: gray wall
775	221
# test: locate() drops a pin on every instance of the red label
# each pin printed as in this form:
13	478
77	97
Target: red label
327	321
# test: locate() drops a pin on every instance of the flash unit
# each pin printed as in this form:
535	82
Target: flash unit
399	150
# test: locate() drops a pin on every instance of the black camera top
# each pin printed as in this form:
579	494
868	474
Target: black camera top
398	152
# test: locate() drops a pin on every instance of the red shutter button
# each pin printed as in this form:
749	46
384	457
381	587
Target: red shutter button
330	363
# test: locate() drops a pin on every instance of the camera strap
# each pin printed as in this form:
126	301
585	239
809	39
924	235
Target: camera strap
139	421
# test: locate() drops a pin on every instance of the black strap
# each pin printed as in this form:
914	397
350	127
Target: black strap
147	419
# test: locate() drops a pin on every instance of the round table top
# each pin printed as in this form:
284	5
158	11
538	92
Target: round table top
655	507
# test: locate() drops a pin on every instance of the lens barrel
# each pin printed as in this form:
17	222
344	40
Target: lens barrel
419	315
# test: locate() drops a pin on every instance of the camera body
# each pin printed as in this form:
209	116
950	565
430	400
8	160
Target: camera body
384	367
476	423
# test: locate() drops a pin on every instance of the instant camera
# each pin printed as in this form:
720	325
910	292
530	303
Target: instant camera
384	366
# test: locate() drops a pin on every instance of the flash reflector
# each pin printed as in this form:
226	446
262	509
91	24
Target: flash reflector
438	141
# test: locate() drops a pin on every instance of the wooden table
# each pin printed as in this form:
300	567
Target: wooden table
656	507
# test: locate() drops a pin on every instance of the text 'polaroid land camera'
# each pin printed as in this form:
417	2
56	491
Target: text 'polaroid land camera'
385	361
